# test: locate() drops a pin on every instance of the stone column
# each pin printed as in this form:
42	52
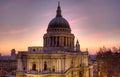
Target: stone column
37	64
55	41
50	63
66	41
64	62
42	64
27	65
52	41
62	65
62	41
59	67
49	40
59	41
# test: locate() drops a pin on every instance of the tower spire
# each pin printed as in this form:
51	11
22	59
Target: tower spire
77	41
58	10
58	3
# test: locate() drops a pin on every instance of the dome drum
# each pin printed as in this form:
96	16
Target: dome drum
58	40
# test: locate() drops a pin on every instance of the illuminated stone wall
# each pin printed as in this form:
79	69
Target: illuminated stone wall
57	65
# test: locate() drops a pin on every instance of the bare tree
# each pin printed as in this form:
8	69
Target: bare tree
108	62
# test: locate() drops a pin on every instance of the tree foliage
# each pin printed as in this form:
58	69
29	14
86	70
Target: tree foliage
108	61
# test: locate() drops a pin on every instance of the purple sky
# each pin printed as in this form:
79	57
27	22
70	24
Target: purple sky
23	23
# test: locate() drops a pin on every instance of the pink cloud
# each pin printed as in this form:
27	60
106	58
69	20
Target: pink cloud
78	20
100	37
12	32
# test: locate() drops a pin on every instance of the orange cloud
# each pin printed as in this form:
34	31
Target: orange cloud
15	31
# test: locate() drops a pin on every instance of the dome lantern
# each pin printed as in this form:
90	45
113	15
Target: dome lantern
58	12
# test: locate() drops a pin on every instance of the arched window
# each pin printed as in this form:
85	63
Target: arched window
34	67
45	65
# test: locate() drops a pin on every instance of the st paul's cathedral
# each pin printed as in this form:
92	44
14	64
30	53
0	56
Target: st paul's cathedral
58	57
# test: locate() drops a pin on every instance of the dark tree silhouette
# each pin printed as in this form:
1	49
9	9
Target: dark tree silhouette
108	62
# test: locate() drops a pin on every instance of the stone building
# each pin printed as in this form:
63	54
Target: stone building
58	57
8	64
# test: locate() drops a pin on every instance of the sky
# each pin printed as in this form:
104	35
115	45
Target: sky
95	23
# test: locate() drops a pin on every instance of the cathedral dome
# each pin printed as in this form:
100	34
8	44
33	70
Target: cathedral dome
58	36
58	22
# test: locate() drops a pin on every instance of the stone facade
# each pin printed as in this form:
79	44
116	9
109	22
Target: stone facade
59	64
8	64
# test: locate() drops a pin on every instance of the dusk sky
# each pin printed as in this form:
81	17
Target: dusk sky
95	23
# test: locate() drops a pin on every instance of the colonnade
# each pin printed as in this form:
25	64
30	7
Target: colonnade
57	41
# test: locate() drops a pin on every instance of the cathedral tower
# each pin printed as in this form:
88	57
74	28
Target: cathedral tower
58	36
77	46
